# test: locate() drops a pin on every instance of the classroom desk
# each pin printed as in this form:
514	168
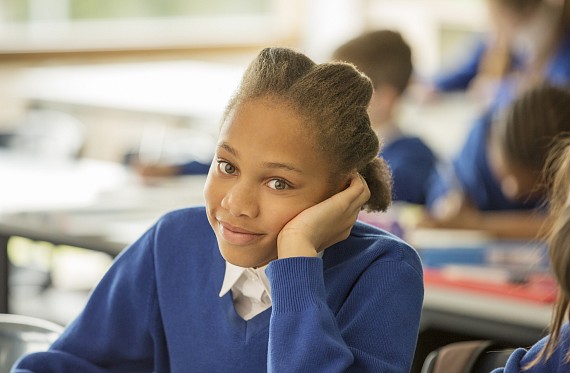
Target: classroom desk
90	204
515	312
484	316
451	315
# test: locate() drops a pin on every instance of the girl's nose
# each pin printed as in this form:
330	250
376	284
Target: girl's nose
241	200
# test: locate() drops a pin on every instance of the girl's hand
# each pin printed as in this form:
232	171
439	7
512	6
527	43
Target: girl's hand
325	223
453	211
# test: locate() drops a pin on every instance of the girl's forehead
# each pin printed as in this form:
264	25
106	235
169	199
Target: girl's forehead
270	127
267	115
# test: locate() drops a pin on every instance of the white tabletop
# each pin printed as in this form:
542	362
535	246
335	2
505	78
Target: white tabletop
88	197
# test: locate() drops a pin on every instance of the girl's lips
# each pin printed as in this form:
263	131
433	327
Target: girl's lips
237	236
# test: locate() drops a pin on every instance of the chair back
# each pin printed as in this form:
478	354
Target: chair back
21	335
466	357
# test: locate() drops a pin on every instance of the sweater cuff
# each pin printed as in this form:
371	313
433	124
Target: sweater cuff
296	283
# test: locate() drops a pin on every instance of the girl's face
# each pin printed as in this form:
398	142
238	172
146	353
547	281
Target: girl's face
266	170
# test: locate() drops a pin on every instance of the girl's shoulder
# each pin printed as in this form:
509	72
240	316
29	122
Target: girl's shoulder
188	226
521	357
371	243
188	218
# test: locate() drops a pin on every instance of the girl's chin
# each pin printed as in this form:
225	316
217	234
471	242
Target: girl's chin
243	260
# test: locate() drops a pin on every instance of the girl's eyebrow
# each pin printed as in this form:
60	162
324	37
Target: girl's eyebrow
273	165
284	166
229	149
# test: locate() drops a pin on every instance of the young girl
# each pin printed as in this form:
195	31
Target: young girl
552	354
274	274
517	148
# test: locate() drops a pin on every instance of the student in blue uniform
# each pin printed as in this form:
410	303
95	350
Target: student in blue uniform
274	273
516	148
547	60
552	354
386	58
523	36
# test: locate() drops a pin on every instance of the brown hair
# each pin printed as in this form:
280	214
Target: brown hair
383	55
557	176
333	99
530	125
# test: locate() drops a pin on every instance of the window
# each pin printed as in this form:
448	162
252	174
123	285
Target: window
48	25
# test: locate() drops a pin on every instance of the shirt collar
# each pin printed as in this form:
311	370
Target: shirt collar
234	273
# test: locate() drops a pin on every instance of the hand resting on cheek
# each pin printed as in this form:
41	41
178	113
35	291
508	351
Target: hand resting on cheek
324	224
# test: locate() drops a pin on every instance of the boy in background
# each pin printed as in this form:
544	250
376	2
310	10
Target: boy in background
386	58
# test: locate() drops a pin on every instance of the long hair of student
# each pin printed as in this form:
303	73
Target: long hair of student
557	180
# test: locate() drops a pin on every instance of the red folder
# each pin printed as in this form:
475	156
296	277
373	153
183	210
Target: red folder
535	287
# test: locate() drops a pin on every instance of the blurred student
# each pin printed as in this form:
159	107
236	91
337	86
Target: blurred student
516	148
274	273
386	58
552	353
528	42
546	60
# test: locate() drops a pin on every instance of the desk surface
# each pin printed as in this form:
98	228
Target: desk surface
94	204
485	315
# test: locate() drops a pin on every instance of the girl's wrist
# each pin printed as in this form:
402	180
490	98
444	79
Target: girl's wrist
294	247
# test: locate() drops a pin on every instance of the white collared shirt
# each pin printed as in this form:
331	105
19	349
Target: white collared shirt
250	289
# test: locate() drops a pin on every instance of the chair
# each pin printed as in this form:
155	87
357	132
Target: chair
21	335
467	357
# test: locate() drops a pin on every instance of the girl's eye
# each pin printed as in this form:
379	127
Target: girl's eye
226	168
278	184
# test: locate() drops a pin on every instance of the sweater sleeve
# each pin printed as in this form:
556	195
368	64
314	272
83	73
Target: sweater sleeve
112	333
375	330
557	363
461	76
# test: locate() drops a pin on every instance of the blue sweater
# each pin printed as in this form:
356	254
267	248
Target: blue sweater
412	163
471	169
356	309
556	364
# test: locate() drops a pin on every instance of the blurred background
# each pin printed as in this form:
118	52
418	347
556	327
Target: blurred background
112	63
85	86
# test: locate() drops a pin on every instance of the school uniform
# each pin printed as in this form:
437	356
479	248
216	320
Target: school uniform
411	162
556	364
459	78
470	170
164	306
